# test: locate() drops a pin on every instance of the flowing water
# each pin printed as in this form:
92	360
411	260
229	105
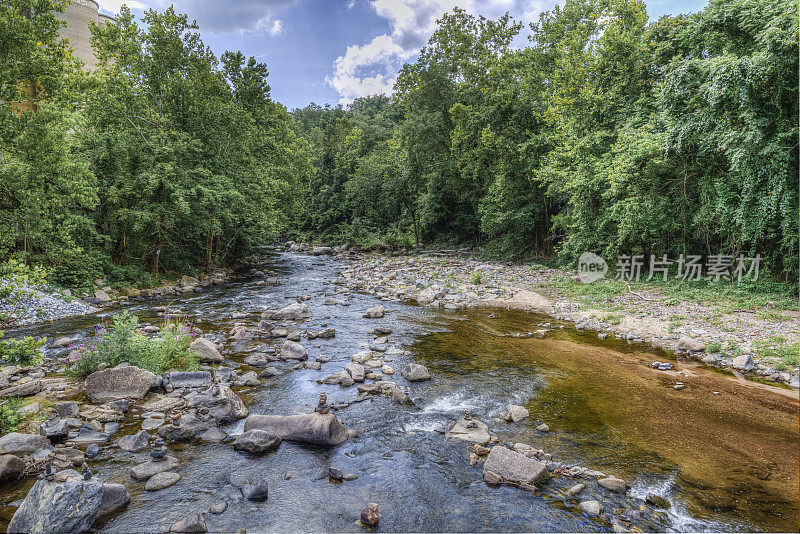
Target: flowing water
724	452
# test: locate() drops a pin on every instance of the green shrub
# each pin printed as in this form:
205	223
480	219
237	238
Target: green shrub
477	276
120	342
713	347
9	418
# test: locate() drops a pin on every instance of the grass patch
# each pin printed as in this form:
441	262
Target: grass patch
612	318
120	342
713	347
782	355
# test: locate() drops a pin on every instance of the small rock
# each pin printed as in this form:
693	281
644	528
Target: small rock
163	480
258	492
375	313
134	442
192	524
516	413
593	508
414	372
613	483
218	508
370	516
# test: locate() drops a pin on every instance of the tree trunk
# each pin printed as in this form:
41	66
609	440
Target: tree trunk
209	252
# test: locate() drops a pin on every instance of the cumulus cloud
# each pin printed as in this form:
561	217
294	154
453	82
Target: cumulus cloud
372	68
112	6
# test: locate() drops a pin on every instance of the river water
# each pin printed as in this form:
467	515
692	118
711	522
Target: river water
724	452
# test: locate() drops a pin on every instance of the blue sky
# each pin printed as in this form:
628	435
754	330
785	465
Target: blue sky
332	51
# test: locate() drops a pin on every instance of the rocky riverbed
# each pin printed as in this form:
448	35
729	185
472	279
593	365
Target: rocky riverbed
431	419
450	283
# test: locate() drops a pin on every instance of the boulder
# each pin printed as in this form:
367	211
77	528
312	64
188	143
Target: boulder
70	506
593	508
295	311
687	343
54	429
516	413
375	313
189	281
370	516
161	481
119	382
206	350
614	484
355	370
313	428
470	430
177	434
134	442
191	524
11	467
22	444
66	409
320	251
102	296
414	372
22	389
426	296
224	405
61	342
149	468
513	466
293	351
194	379
256	442
105	413
258	492
213	435
115	496
743	362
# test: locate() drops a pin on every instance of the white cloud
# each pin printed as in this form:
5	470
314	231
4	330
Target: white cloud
372	68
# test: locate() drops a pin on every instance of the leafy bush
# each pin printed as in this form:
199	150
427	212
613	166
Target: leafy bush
476	278
120	342
9	418
713	347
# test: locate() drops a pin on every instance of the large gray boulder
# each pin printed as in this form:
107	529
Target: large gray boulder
257	442
356	371
194	379
22	389
314	428
11	467
470	430
375	313
70	506
414	372
294	311
206	350
512	466
127	382
690	344
22	444
134	442
223	404
293	351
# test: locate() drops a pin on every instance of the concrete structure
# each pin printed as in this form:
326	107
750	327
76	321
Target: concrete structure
78	15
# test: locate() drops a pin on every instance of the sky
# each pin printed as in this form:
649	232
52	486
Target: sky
334	51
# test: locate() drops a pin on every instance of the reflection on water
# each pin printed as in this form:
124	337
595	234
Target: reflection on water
606	409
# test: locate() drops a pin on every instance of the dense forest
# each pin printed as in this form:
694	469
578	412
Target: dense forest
605	133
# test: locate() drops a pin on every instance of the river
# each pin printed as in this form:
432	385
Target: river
723	451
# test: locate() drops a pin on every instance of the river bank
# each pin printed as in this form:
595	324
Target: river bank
479	360
733	340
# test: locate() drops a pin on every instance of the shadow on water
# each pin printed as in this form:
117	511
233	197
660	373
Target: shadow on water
727	461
